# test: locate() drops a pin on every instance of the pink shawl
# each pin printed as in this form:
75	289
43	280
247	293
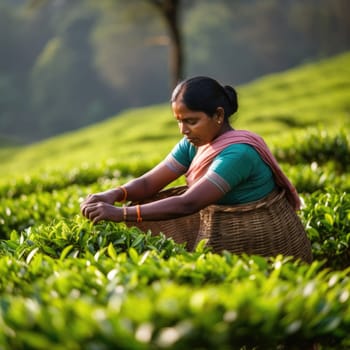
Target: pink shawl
206	154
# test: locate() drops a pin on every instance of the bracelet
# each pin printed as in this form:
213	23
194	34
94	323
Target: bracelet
125	193
125	213
138	211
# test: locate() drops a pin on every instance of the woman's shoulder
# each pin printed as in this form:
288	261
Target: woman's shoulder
239	152
242	148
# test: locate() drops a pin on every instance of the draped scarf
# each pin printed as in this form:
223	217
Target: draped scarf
206	154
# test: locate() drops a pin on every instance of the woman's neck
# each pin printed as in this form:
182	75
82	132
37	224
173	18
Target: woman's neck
225	127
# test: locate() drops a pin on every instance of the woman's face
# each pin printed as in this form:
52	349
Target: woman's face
197	127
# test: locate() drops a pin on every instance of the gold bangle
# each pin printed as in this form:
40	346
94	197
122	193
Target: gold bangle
138	211
125	193
125	213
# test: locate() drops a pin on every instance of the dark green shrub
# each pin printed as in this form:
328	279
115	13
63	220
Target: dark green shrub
327	219
317	146
188	301
308	178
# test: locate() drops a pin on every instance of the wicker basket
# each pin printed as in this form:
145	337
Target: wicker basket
267	227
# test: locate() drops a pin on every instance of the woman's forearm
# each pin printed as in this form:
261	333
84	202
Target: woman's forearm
138	189
164	209
150	183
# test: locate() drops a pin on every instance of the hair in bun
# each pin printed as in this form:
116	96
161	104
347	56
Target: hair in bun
232	97
206	94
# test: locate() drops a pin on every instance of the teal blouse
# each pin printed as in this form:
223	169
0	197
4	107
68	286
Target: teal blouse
238	171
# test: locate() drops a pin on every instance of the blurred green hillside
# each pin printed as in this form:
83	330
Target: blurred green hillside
67	64
312	95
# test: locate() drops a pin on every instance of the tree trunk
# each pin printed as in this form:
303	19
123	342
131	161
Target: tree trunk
170	12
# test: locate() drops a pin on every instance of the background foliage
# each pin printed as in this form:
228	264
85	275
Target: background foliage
70	64
306	97
68	284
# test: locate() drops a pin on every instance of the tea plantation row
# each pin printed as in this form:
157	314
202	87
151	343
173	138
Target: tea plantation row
131	300
66	284
320	158
326	216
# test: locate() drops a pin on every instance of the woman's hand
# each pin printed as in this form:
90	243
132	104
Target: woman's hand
109	197
98	211
99	206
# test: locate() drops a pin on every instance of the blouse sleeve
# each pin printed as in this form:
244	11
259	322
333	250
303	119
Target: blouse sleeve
232	166
181	156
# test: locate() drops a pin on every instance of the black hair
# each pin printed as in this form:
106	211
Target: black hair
206	95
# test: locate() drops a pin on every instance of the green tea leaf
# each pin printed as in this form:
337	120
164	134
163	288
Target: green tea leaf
133	255
66	251
111	251
329	219
31	255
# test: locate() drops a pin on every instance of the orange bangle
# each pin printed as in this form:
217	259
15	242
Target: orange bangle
125	193
138	211
125	213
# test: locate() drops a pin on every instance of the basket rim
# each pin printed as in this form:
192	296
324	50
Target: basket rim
264	202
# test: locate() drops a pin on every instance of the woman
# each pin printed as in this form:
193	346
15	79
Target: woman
222	165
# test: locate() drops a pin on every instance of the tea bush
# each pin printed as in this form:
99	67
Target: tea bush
308	178
325	215
37	208
52	179
316	146
78	237
141	300
68	284
327	221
